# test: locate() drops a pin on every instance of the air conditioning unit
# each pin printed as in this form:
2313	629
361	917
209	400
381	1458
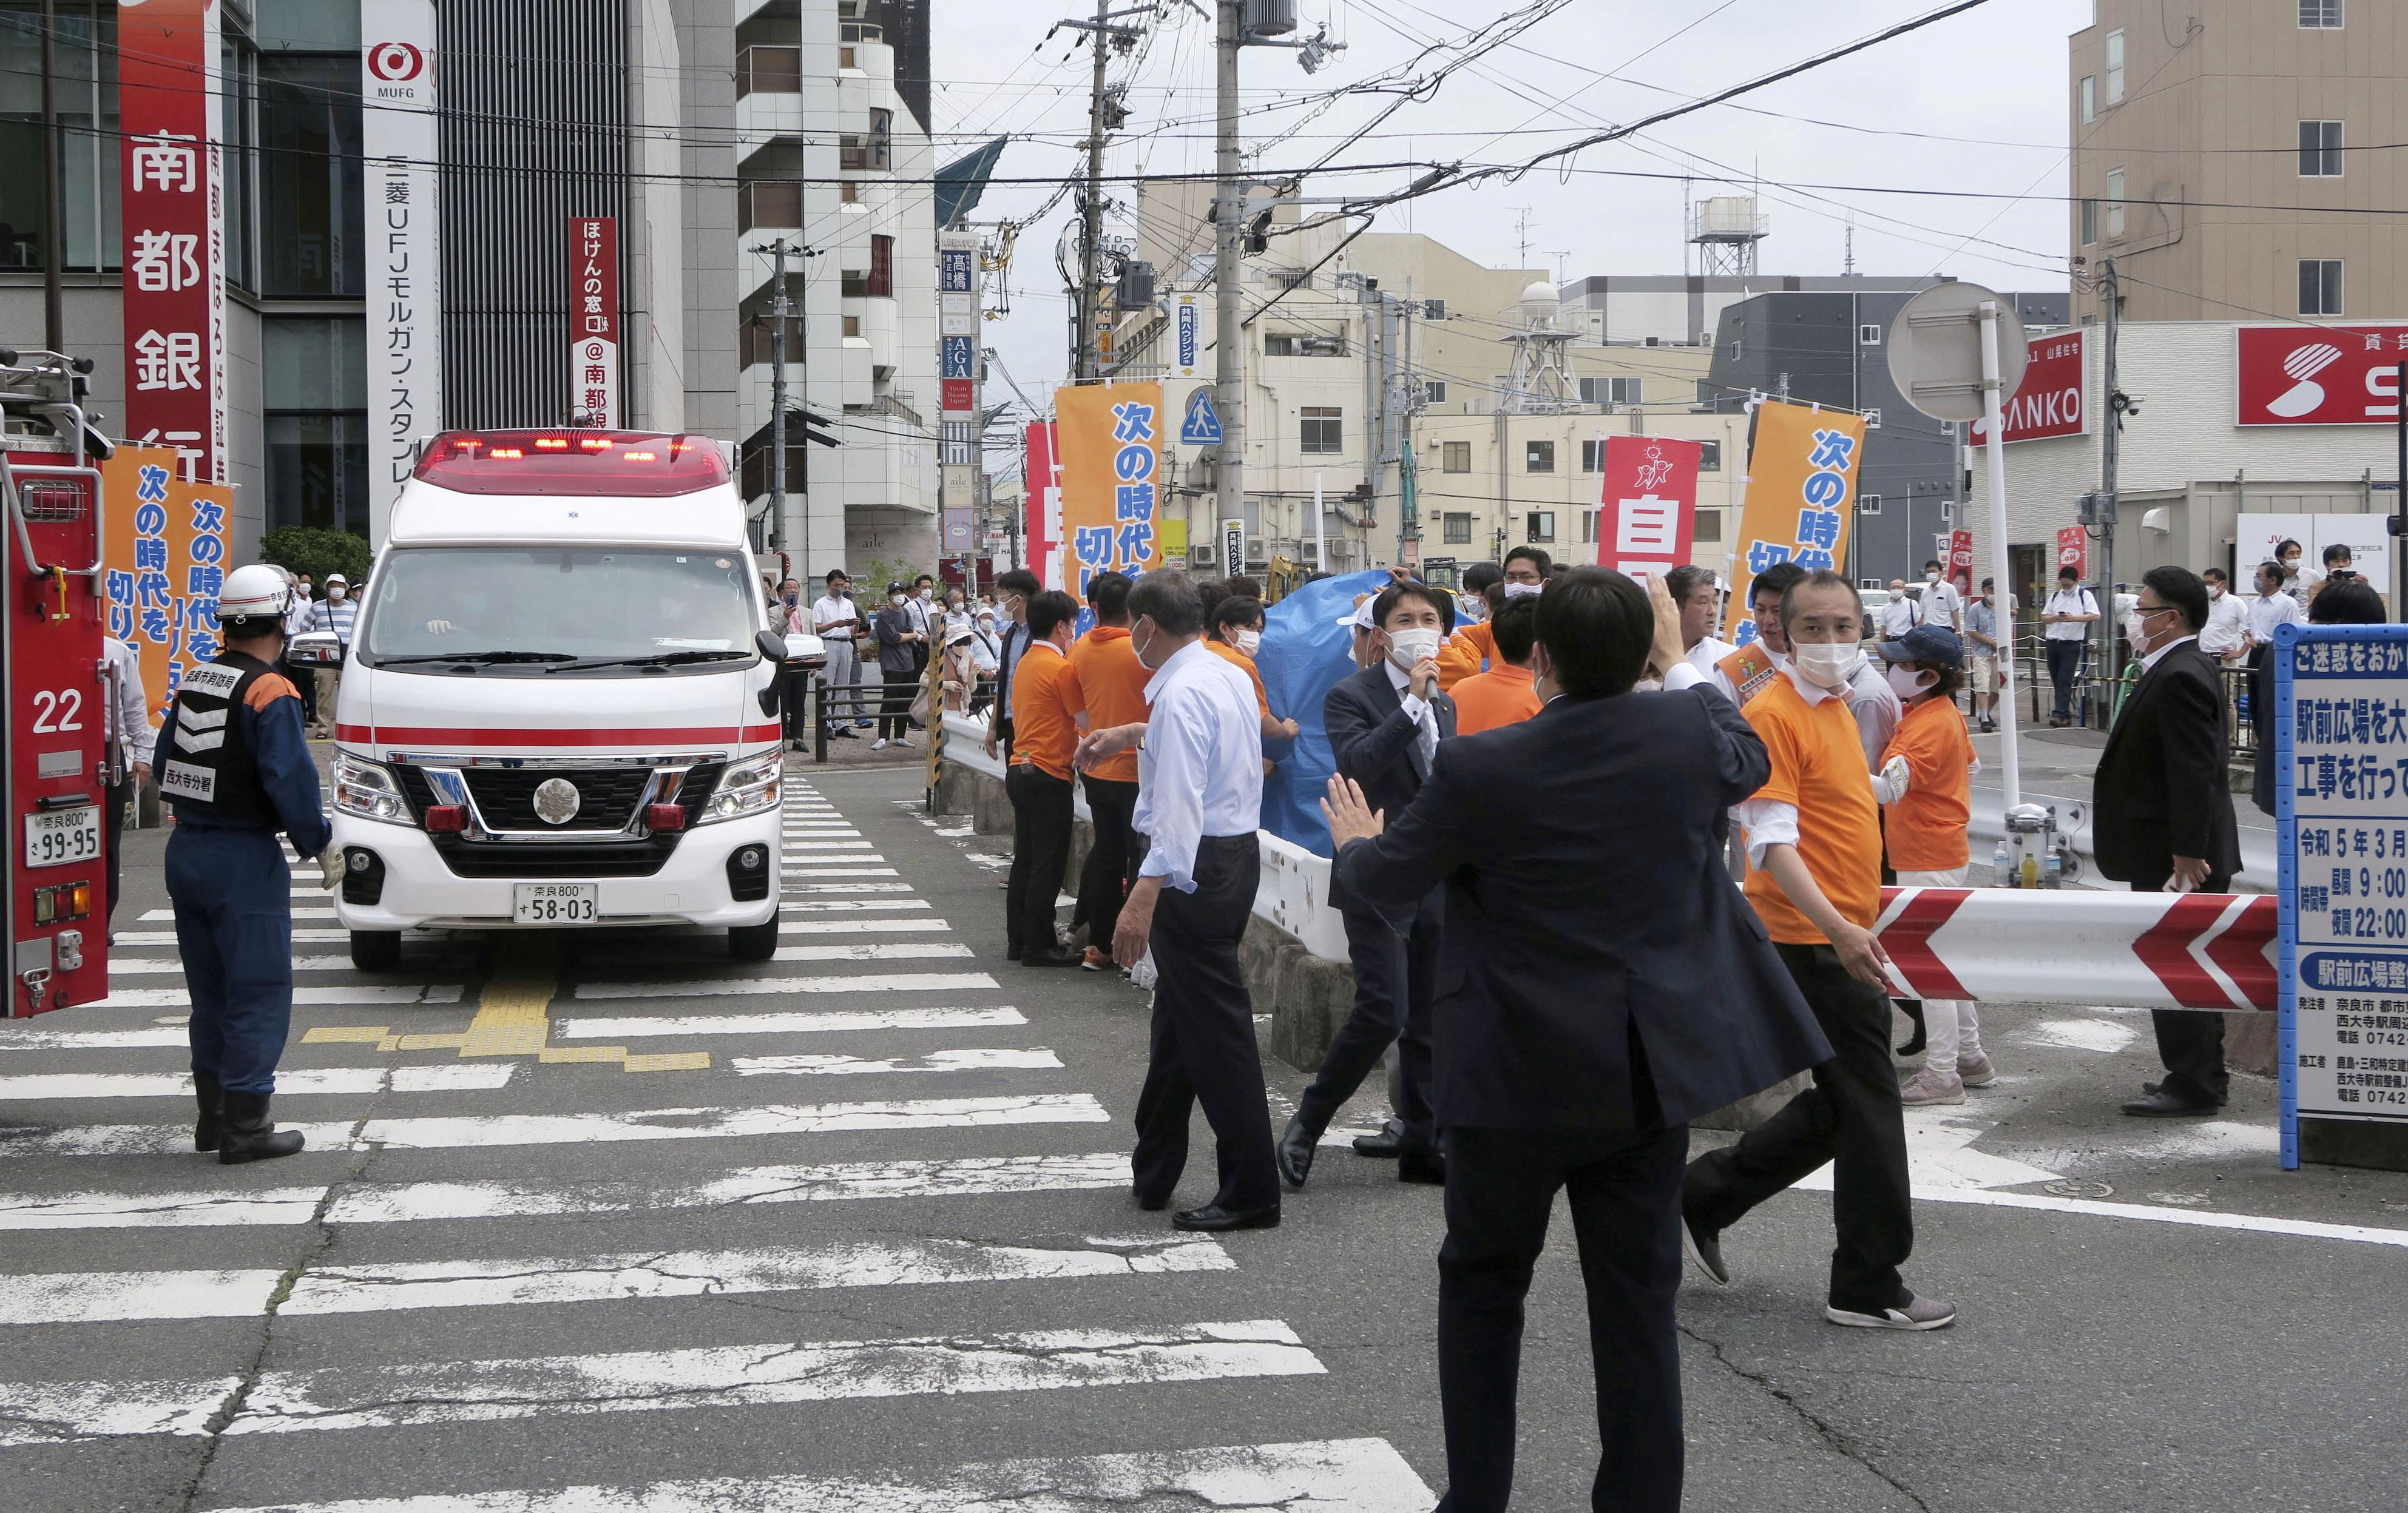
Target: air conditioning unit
1254	549
1203	557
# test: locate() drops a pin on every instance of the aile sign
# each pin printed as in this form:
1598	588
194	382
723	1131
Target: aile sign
2049	402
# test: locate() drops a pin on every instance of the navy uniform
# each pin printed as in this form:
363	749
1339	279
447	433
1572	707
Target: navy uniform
235	768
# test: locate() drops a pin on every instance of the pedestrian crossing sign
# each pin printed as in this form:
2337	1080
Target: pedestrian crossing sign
1202	425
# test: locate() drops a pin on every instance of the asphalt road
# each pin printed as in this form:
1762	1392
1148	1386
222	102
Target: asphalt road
644	1229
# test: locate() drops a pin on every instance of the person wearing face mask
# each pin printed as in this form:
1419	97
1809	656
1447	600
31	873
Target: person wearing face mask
1926	789
1472	646
1750	670
1815	857
2272	607
1236	636
1502	695
2065	635
1199	806
1942	604
834	618
2226	635
1038	781
1017	586
1900	612
1112	682
1982	638
1385	725
337	612
2161	810
898	640
986	658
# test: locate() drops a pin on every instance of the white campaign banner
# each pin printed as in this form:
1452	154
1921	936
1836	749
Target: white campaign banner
404	313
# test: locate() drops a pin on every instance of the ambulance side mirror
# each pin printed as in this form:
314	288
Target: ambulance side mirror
772	648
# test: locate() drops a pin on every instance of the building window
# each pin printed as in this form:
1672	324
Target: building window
848	192
881	267
2320	150
851	152
1322	429
852	327
1539	526
1710	456
2114	203
2090	223
1538	457
1609	391
1455	456
845	58
2320	15
308	172
1708	526
771	70
769	202
2115	68
1588	527
2320	286
1434	392
1592	456
1301	344
1456	529
1869	335
1869	503
315	421
2089	98
1433	309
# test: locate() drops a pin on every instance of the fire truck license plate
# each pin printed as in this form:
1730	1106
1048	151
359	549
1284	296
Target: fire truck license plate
556	903
63	836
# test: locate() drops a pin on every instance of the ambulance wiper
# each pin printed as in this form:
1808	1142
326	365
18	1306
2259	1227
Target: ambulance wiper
662	659
480	657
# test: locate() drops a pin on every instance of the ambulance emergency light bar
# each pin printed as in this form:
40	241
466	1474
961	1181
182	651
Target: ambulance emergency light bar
636	465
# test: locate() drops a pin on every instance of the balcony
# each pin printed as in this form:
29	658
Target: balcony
773	70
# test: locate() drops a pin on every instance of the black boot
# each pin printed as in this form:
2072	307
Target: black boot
249	1134
205	1128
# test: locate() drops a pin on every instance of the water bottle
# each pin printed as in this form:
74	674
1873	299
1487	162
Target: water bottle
2052	869
2003	866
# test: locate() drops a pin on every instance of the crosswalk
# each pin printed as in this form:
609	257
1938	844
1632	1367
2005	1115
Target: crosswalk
473	1240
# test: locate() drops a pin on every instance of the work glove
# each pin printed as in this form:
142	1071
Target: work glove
330	867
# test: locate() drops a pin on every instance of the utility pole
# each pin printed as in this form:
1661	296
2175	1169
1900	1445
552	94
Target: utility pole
1091	213
1228	216
2110	447
780	311
54	318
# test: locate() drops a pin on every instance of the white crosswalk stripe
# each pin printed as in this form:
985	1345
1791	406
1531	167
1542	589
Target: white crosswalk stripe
361	995
456	1077
936	1060
884	983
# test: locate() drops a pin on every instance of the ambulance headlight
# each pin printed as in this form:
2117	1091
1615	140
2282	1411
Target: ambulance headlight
747	787
368	790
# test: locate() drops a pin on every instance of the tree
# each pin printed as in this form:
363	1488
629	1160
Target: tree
301	549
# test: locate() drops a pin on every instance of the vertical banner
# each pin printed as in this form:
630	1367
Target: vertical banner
2072	551
404	307
1187	336
166	551
1959	558
1650	503
1233	549
957	319
1111	437
593	317
173	209
1802	497
1041	503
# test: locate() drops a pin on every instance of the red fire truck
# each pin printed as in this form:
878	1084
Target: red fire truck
57	685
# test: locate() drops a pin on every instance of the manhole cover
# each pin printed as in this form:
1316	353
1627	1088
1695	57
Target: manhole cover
2073	1188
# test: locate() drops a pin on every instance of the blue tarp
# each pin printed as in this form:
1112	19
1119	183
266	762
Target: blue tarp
1305	653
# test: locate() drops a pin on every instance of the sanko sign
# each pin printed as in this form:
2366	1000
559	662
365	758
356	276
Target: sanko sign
2049	402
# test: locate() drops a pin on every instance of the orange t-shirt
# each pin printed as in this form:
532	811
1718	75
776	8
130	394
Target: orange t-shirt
1460	655
1927	827
1236	658
1045	704
1112	681
1818	768
1502	695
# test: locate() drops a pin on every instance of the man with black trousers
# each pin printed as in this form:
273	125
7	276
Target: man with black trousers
1037	781
1199	805
1013	588
1112	681
1385	725
2161	810
1575	1040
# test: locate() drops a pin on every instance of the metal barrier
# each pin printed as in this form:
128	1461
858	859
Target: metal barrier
2137	950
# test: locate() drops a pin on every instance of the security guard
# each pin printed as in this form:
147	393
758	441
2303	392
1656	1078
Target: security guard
235	768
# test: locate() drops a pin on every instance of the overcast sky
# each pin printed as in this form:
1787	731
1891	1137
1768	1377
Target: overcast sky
1976	103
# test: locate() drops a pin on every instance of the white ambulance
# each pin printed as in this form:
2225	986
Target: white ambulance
560	706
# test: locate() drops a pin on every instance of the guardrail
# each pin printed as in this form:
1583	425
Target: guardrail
2137	950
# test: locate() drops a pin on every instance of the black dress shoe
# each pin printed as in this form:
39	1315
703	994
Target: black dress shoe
1385	1144
2163	1104
1011	953
1295	1151
1214	1220
1151	1206
1056	957
1421	1166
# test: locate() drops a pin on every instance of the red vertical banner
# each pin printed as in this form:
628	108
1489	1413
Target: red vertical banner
174	217
1960	562
1650	504
2072	551
1042	501
593	317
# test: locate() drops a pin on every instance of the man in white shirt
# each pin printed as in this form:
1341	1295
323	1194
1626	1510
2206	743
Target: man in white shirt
1942	602
338	611
2274	606
1199	806
131	739
836	619
1901	614
2226	635
1695	594
2065	630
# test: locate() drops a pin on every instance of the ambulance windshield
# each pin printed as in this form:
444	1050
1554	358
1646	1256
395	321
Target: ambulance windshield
542	611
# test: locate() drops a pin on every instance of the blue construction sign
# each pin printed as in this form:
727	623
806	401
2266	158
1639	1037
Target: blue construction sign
1202	425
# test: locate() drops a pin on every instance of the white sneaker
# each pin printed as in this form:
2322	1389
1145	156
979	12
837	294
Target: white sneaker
1931	1087
1977	1073
1919	1314
879	744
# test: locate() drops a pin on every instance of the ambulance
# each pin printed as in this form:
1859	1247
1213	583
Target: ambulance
559	709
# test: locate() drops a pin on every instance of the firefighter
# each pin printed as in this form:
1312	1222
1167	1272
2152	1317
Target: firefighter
234	766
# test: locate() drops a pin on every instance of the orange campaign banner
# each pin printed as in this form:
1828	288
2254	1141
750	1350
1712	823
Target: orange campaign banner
1802	497
165	554
1109	448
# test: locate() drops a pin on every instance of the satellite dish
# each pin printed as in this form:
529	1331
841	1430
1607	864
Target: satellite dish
1935	351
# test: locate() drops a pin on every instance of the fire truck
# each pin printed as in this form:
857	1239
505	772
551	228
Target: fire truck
58	686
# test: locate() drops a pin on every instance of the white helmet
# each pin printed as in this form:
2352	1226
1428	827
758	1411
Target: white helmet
258	592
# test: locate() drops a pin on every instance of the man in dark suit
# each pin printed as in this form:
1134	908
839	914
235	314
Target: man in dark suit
1384	724
1601	983
2161	810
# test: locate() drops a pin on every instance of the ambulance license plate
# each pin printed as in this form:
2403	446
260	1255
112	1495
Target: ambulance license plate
62	836
556	903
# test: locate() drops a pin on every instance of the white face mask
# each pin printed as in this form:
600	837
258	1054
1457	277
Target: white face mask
1825	663
1908	683
2215	591
1249	642
1408	647
1931	577
895	599
335	593
1522	591
2133	632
